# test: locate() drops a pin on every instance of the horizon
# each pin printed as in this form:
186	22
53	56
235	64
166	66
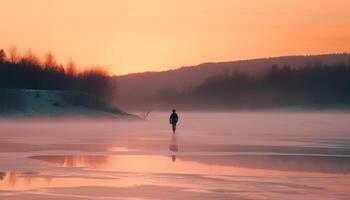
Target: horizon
82	68
237	60
158	36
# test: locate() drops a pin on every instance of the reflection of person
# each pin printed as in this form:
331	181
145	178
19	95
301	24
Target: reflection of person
173	147
174	118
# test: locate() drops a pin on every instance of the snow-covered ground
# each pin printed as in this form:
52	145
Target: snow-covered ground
49	103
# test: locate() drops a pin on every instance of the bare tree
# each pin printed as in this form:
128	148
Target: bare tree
30	59
2	55
14	56
71	68
50	62
145	114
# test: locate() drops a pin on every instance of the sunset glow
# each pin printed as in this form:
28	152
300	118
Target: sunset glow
135	36
183	99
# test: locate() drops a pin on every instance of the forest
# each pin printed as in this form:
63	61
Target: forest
316	86
29	71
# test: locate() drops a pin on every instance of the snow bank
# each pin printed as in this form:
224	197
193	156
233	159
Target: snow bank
43	103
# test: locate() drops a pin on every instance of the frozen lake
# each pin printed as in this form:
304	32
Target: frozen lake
212	156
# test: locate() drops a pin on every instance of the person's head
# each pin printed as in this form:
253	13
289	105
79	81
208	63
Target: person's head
174	110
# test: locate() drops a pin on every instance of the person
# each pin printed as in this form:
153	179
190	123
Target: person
174	118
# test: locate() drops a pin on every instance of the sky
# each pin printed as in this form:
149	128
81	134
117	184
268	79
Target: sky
156	35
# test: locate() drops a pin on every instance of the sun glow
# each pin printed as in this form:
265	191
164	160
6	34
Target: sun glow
136	36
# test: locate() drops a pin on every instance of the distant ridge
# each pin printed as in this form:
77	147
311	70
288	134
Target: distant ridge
146	84
294	59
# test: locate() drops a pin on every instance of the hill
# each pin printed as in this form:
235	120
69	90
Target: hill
140	90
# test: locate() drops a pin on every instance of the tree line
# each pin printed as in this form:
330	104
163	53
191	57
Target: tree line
312	86
28	71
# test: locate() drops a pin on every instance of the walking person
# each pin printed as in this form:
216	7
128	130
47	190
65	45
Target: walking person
174	118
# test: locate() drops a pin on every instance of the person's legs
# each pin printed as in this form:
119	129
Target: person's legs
174	128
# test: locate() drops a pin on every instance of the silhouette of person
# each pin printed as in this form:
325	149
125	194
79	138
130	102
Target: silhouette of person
174	118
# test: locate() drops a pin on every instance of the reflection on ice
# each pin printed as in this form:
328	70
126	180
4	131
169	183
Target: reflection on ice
75	161
247	165
88	184
173	147
138	164
22	180
293	163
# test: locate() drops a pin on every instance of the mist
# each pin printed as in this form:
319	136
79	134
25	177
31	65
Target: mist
314	86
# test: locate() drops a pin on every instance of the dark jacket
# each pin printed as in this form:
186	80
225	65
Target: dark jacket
173	118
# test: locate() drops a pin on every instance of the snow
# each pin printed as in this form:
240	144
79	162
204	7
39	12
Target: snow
54	103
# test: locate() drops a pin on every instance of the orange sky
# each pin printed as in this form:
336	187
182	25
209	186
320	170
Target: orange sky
143	35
